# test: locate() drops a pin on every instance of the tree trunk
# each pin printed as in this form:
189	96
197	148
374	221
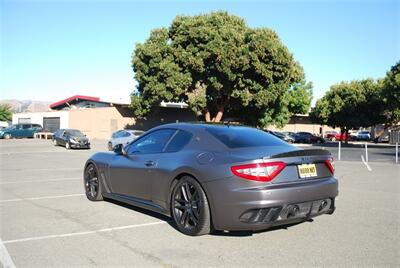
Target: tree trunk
218	117
207	115
341	135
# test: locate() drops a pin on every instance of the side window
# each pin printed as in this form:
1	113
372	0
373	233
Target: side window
178	141
125	134
152	143
26	126
115	135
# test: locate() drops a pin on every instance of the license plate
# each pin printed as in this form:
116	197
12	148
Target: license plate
307	170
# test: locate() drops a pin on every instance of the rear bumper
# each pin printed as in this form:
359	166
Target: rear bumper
261	207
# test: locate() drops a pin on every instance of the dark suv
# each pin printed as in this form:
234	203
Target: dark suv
20	131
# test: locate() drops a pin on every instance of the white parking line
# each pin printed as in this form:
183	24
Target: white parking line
41	169
365	163
5	258
84	233
42	152
48	180
39	198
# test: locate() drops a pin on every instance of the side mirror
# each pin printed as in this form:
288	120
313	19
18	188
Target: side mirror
120	149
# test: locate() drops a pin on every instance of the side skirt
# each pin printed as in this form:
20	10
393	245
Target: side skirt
137	202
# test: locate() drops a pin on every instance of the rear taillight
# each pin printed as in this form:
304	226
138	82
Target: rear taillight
259	172
329	164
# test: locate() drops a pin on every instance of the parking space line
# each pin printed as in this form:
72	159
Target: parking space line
84	233
5	258
33	181
39	198
365	163
41	169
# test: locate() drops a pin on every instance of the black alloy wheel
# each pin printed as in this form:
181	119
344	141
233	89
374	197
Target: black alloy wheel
190	208
93	187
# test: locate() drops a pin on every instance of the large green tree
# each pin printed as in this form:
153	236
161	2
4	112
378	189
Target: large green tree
391	95
350	105
219	66
5	112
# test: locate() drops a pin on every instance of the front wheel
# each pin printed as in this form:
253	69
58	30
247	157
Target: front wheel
93	187
67	146
190	209
7	136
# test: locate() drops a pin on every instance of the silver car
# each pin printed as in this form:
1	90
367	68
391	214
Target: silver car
216	177
123	137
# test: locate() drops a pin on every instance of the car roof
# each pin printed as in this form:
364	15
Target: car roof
193	126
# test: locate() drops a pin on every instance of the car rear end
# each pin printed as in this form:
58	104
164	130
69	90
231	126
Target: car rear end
272	185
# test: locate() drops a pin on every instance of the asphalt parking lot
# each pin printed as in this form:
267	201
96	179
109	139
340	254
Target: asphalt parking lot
46	221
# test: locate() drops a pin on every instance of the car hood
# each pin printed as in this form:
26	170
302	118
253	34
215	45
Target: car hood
80	138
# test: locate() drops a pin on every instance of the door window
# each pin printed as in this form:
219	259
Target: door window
154	142
179	140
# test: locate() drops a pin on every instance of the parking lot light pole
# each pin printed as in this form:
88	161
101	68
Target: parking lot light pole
340	145
397	152
366	152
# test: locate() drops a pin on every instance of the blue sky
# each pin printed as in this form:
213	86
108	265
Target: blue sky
51	50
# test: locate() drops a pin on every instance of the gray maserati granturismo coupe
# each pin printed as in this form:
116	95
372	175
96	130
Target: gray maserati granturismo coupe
215	177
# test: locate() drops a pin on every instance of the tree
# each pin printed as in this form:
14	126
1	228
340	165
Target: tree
219	66
391	95
350	105
5	112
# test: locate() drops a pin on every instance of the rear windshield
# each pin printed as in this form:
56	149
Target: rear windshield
238	137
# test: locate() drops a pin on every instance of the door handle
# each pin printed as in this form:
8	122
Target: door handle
149	163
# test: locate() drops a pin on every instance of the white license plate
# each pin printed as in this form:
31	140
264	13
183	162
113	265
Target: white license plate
307	170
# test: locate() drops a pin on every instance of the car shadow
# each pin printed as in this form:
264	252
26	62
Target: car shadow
214	233
251	233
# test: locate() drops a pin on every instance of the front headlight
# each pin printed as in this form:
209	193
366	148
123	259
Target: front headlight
72	140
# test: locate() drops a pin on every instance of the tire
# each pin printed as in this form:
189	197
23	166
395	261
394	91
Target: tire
55	142
7	136
333	139
67	145
92	184
190	212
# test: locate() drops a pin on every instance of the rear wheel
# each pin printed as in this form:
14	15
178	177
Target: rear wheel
55	142
7	136
333	139
93	187
190	209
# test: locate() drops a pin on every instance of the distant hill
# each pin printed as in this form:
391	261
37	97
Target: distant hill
21	106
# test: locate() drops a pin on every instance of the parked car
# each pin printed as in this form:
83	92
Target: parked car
123	137
329	135
307	137
20	131
215	177
337	137
282	136
70	138
363	136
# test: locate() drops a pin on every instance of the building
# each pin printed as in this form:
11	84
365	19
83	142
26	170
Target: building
302	123
98	119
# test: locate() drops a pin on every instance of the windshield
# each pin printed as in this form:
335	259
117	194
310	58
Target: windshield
75	133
